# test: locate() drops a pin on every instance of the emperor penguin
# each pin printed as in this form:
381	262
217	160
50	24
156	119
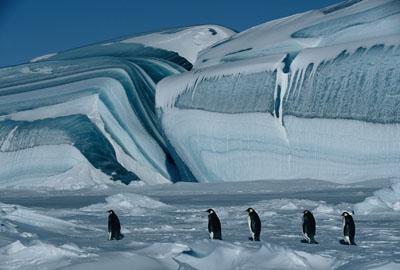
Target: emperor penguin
114	227
254	224
349	229
309	227
214	225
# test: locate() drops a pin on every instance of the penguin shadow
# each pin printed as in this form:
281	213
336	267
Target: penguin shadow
304	241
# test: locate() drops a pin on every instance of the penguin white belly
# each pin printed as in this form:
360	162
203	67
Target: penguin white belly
347	239
251	231
306	237
109	236
212	235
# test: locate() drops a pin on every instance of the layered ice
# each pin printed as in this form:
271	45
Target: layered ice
313	95
73	119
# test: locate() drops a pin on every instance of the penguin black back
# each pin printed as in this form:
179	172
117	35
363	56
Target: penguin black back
254	224
214	225
349	228
309	227
114	227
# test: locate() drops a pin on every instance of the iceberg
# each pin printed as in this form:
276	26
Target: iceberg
313	95
93	108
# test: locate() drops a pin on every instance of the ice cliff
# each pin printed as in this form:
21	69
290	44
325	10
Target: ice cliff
313	95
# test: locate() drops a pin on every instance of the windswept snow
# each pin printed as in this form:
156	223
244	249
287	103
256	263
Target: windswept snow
165	227
387	199
187	42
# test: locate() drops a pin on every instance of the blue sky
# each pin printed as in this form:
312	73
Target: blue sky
30	28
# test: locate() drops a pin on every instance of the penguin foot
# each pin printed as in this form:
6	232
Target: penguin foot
303	241
342	242
313	241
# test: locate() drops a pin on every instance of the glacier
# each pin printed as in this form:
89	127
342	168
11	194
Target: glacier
314	95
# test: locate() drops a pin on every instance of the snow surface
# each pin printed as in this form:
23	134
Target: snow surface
187	42
165	227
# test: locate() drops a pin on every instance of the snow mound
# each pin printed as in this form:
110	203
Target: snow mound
126	260
37	255
221	255
81	176
387	199
29	217
128	204
325	209
289	204
187	42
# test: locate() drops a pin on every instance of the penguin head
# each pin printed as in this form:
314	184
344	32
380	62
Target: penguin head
210	211
250	210
345	214
306	212
110	211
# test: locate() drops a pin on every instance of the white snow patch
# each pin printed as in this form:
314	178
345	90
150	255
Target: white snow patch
43	57
37	255
30	217
387	199
187	42
41	70
220	255
128	204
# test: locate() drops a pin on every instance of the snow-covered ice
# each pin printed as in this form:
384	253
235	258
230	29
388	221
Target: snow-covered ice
165	227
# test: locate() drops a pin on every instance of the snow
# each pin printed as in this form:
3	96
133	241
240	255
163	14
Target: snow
188	42
129	204
360	21
43	57
165	227
387	199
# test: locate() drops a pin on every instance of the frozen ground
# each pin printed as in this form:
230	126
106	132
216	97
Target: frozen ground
165	227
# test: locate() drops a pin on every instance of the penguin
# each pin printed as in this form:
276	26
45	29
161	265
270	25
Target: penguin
349	229
309	227
214	225
254	224
114	227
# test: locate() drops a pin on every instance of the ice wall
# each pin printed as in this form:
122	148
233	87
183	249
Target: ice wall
314	95
93	107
